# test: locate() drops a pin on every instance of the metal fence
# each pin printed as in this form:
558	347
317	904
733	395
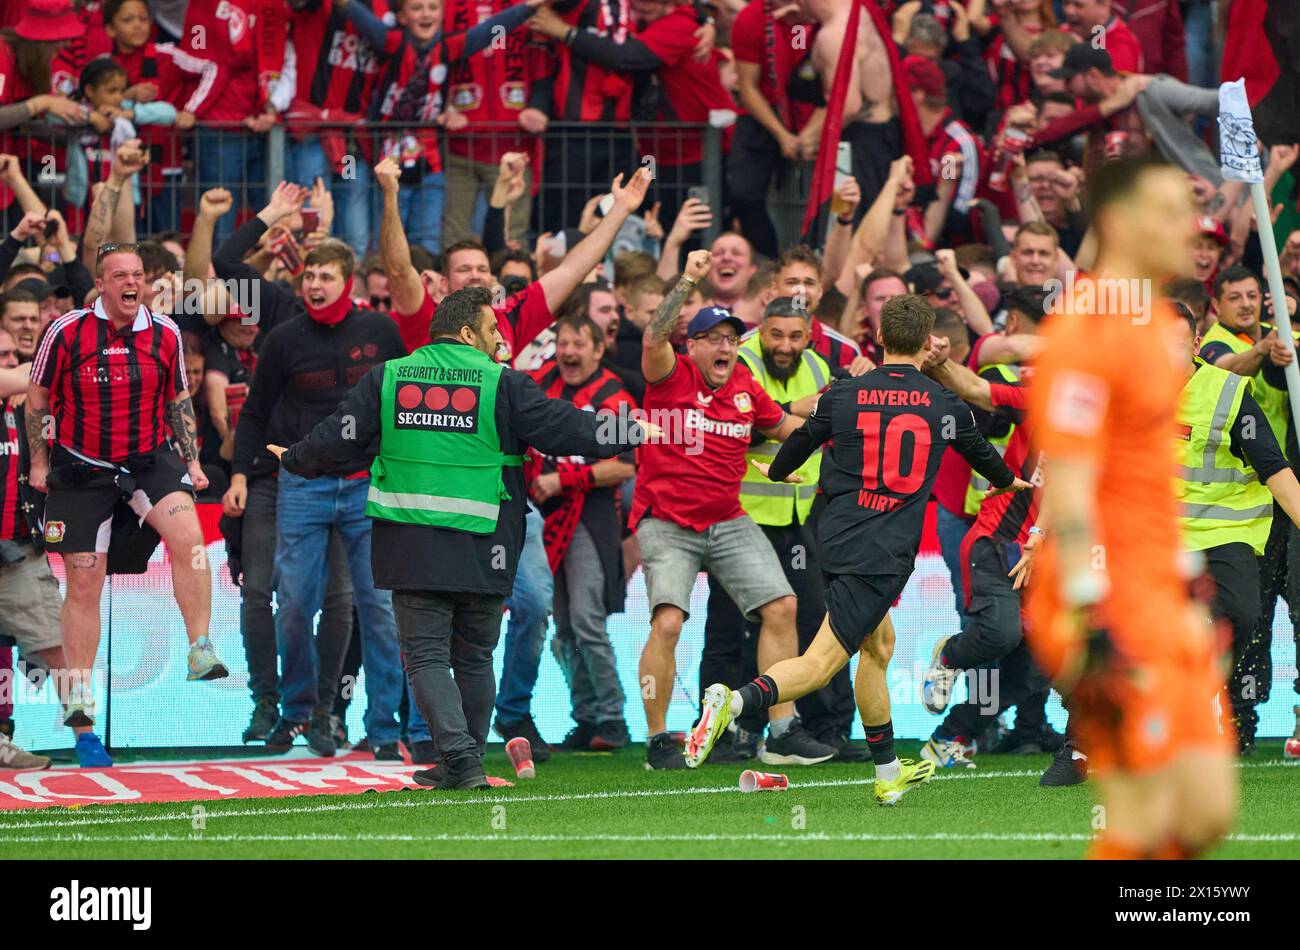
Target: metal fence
446	179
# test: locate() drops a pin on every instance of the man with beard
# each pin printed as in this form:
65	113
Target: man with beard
579	499
784	364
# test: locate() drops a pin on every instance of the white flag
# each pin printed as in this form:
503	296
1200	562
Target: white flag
1238	153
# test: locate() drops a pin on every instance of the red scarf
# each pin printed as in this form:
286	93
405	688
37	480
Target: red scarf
823	184
332	313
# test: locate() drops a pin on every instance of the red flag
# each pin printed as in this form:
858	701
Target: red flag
1263	47
823	184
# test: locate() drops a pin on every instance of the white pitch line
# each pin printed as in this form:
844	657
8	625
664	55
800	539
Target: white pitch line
421	800
808	838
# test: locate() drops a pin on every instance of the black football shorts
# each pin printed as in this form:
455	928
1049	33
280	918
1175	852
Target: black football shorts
857	603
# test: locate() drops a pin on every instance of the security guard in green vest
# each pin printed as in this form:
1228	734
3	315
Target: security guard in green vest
783	361
1231	468
447	428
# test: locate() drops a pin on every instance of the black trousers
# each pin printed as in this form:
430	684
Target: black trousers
875	147
991	642
439	633
1236	573
754	159
1279	576
731	644
576	167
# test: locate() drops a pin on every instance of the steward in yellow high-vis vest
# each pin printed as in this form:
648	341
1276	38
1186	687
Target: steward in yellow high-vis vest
1230	468
445	428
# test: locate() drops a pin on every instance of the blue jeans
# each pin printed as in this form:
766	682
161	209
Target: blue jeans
951	529
421	209
530	604
305	161
1198	23
227	158
306	511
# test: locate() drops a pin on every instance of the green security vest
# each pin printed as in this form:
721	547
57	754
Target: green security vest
440	460
979	485
1222	498
781	503
1272	401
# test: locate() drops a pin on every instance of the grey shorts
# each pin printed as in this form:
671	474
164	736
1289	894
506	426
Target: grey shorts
736	552
30	604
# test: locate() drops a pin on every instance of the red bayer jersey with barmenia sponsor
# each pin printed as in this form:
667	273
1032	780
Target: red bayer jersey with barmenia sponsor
692	478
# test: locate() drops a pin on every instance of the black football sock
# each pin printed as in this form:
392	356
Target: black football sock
880	739
758	694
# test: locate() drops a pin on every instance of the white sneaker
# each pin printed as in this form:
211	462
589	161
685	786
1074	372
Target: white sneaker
936	687
946	754
14	759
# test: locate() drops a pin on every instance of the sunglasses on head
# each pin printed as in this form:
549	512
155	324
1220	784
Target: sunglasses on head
107	249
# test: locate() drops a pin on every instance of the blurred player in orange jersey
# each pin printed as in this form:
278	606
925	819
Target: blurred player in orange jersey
1110	617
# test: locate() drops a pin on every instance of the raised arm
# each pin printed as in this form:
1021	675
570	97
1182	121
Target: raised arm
582	260
128	160
198	255
394	250
657	356
972	308
11	173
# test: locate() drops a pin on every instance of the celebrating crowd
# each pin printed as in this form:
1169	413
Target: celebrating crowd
165	319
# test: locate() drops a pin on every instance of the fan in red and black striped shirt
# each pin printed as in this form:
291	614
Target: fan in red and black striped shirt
109	381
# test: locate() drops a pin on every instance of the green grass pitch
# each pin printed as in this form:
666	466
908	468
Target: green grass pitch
607	806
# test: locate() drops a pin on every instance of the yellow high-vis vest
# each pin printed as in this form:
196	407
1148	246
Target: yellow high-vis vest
1222	499
780	503
1272	401
979	485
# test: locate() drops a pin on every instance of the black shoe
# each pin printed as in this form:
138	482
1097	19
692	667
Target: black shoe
845	751
423	752
744	744
662	753
468	776
265	714
340	731
579	737
610	735
729	753
392	752
320	735
1065	769
796	747
528	729
1016	742
1245	721
280	738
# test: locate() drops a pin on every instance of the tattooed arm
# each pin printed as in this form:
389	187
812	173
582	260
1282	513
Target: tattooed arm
179	414
129	159
657	356
35	413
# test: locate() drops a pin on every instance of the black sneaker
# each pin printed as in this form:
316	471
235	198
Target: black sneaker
340	732
662	753
610	735
392	752
320	735
469	775
280	738
845	751
265	714
1065	769
528	729
744	744
579	738
1016	742
796	747
423	752
731	753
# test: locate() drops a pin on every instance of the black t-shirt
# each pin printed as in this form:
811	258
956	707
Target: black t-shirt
890	429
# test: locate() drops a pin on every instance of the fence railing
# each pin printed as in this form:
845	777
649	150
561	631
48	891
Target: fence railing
447	175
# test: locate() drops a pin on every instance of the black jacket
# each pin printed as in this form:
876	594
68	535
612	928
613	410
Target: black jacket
417	557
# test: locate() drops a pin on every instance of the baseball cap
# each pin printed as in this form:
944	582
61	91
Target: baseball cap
710	317
1080	58
1210	226
925	74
